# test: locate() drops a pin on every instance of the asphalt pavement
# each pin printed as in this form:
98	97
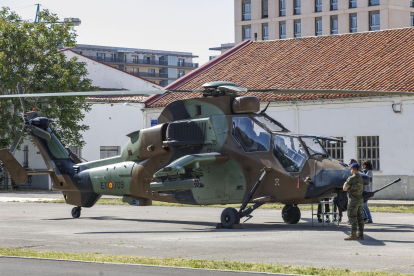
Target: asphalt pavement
42	267
189	232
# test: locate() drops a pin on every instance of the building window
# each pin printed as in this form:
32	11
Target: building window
107	152
164	82
353	23
334	5
181	73
296	7
318	26
147	60
247	32
374	2
265	31
412	19
282	7
412	3
334	24
318	5
100	56
368	150
374	20
352	4
335	149
282	29
181	62
297	28
265	8
247	10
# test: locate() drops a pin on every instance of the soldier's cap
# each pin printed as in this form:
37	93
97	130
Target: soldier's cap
354	165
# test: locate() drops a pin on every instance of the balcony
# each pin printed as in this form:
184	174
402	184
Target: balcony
187	64
150	75
150	62
143	61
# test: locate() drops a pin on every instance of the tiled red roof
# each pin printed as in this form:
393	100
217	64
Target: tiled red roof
379	61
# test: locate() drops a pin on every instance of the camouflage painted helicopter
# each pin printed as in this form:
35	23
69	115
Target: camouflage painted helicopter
217	149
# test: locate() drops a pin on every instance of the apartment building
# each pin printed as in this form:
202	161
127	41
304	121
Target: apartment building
161	67
280	19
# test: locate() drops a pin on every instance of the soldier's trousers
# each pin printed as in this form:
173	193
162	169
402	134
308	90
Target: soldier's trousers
355	209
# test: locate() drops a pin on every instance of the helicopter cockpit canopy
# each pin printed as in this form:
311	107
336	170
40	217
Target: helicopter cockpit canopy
289	151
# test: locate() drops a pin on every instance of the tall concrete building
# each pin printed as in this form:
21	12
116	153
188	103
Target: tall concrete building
161	67
280	19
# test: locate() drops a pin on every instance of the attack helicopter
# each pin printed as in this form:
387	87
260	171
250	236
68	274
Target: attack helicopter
216	149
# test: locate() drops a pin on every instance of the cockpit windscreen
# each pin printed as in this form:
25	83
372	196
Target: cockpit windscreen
289	152
313	145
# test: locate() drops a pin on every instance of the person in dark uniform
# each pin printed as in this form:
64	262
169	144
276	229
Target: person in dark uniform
354	185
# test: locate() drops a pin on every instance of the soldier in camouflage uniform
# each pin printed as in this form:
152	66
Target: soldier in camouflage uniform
355	186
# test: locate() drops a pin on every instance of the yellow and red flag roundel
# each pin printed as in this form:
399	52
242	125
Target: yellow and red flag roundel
110	185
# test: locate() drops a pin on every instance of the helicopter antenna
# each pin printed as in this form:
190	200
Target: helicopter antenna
264	110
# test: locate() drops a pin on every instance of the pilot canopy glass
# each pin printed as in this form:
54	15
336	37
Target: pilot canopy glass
288	150
313	146
250	135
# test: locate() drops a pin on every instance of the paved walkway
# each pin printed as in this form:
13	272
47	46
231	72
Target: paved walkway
188	232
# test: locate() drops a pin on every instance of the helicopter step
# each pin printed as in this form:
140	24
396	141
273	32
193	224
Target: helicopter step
231	217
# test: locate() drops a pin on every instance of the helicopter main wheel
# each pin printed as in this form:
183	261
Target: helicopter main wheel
291	214
76	212
229	217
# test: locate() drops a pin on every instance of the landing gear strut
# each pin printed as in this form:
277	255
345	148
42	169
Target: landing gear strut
76	212
230	216
291	214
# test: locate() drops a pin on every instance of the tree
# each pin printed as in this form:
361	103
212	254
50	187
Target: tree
29	54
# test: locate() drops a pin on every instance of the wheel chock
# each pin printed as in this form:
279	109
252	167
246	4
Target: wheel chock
235	226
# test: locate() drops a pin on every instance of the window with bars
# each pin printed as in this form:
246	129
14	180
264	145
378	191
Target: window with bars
334	24
282	7
352	4
374	20
26	157
265	8
246	10
265	31
296	7
353	23
282	29
297	28
368	150
318	5
76	150
111	151
334	5
318	26
247	32
335	149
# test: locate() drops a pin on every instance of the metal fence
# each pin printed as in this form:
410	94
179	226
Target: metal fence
142	61
150	75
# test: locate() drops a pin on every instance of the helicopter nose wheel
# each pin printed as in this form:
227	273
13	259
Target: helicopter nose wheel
291	214
76	212
229	217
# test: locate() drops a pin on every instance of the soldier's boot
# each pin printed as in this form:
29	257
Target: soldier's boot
353	236
361	234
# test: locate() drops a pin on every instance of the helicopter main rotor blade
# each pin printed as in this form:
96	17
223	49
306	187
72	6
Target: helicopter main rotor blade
327	91
16	141
87	93
20	90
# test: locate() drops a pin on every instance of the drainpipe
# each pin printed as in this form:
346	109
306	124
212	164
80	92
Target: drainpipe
297	117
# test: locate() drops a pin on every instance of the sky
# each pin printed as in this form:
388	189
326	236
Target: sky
171	25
